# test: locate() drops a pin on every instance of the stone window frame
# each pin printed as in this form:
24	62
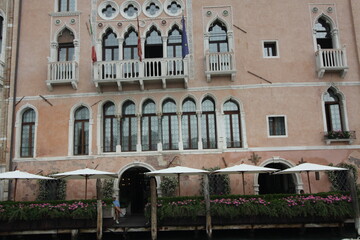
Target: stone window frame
71	129
277	52
285	126
18	127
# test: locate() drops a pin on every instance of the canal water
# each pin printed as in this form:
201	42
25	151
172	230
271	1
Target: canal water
269	234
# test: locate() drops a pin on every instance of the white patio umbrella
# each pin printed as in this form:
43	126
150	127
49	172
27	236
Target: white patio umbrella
177	171
245	168
310	167
86	174
20	175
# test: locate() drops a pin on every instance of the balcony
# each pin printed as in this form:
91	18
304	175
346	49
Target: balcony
133	71
331	60
2	67
62	73
339	136
220	64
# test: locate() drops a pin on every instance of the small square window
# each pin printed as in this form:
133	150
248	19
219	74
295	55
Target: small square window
270	49
277	126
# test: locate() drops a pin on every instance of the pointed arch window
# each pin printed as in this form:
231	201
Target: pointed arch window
149	127
170	126
1	32
333	111
323	33
189	124
66	47
153	44
232	124
128	127
111	128
130	45
27	133
110	46
174	47
218	40
81	131
208	122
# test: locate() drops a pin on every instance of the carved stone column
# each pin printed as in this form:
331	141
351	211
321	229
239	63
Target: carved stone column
121	43
181	145
159	147
200	145
138	145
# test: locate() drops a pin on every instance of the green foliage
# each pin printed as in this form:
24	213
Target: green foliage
108	188
324	205
219	184
29	211
255	159
168	186
52	189
339	179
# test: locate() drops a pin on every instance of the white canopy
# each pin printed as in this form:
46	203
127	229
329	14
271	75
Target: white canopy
20	175
245	168
86	174
310	167
176	171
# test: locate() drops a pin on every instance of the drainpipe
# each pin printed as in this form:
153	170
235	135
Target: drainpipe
13	115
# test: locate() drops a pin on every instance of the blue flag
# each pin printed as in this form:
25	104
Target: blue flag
184	41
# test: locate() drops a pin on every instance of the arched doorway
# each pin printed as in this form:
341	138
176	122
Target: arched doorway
272	183
134	189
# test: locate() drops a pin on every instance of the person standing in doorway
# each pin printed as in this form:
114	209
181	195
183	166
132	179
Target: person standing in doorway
117	209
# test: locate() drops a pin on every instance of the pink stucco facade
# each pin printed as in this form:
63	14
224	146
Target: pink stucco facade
287	86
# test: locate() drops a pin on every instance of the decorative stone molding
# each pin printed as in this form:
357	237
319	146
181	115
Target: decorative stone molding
104	5
64	14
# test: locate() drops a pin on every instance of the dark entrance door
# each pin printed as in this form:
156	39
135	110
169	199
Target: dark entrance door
135	189
270	183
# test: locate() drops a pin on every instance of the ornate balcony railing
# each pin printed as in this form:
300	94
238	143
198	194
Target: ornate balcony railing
125	71
62	73
339	136
2	67
332	60
220	64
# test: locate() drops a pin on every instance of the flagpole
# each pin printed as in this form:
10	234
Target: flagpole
139	47
93	50
184	40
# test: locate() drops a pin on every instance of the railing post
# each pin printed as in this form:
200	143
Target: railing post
207	61
49	71
141	69
118	69
320	57
186	66
163	67
344	57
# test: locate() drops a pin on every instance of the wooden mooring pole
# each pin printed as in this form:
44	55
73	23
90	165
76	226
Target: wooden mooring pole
355	200
99	225
207	206
153	197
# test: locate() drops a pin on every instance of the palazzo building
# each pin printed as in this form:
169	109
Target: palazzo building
105	83
6	53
